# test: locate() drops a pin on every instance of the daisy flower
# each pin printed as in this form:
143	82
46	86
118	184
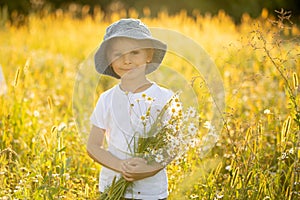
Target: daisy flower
191	112
149	100
192	129
159	158
144	118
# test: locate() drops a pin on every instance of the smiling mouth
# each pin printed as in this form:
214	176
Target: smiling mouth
126	70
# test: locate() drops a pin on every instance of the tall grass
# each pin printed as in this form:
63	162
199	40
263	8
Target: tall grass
42	155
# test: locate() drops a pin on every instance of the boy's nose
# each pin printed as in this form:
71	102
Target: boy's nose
126	58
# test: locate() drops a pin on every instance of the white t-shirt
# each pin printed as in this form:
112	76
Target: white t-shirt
119	113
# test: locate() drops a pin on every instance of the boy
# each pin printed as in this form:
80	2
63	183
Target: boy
128	52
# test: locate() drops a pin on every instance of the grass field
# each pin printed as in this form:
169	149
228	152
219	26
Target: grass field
42	151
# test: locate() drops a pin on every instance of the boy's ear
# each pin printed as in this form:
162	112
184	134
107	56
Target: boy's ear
150	55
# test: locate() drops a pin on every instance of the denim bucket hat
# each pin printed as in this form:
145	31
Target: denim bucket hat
132	29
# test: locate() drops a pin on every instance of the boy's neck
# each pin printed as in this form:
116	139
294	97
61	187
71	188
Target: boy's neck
135	86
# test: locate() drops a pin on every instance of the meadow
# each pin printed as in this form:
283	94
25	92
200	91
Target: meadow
42	149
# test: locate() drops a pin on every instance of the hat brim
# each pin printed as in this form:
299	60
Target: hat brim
103	65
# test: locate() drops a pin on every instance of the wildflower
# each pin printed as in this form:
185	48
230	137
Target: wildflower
173	110
228	167
192	129
174	142
267	112
208	125
18	187
194	196
177	106
36	113
143	118
283	156
159	158
191	112
176	98
149	100
180	113
170	132
219	196
291	151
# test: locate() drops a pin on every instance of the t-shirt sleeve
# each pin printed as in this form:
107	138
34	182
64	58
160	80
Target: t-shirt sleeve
99	115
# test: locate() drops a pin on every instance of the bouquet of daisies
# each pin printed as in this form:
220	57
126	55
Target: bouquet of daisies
170	133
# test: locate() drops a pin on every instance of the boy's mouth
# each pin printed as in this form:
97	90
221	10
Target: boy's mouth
127	70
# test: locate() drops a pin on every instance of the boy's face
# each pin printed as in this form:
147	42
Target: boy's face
128	57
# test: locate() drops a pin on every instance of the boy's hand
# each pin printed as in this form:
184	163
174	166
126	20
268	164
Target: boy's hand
134	169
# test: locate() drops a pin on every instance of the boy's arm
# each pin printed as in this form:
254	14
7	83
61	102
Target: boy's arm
132	169
98	153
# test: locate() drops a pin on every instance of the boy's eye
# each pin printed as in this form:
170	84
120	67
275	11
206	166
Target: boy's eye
117	55
134	52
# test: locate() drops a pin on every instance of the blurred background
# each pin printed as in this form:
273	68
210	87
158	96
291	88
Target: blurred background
17	10
48	89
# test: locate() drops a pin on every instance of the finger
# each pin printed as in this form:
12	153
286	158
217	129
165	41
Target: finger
128	167
124	167
128	176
